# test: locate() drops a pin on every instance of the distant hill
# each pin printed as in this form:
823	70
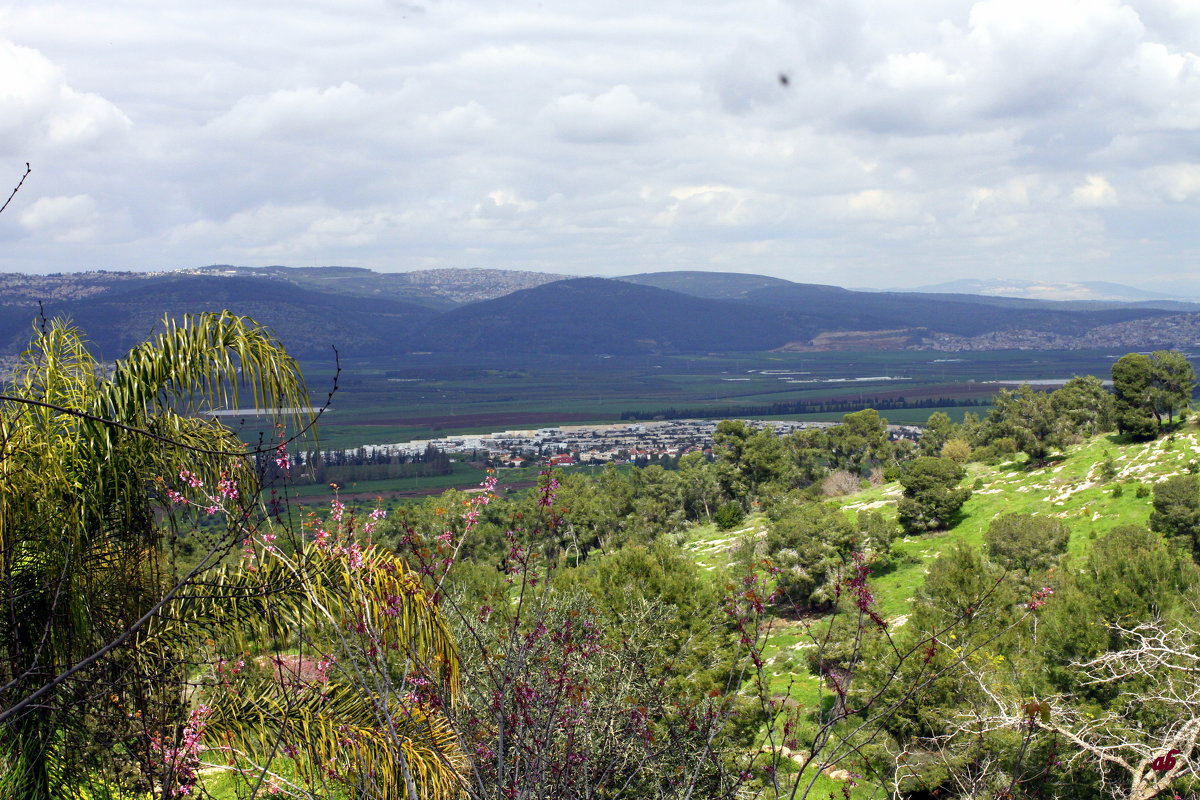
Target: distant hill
464	310
842	309
435	288
1082	292
596	315
711	285
308	322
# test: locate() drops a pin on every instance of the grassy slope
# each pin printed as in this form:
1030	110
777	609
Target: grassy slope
1070	487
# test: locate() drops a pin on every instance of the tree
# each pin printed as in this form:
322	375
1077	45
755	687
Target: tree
1132	376
1177	509
1151	389
86	461
1026	542
809	547
957	450
659	502
939	429
809	449
1129	576
1085	405
957	586
614	679
1028	417
621	585
859	441
1174	380
759	459
699	485
930	500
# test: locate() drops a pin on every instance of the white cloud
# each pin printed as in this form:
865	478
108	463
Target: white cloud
618	116
463	122
66	219
880	205
1178	182
1096	192
295	113
39	110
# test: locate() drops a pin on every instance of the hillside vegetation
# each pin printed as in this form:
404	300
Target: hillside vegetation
1003	608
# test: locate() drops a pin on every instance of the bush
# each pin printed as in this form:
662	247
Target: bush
729	515
840	482
957	451
1026	542
931	500
1108	469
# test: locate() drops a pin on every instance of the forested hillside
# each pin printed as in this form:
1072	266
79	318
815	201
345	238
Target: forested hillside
1004	608
506	311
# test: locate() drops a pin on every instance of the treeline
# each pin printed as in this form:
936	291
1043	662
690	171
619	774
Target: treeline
803	407
309	467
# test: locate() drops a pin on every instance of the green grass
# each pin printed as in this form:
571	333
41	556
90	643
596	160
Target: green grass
1070	487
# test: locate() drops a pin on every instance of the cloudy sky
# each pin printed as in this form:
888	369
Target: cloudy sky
912	142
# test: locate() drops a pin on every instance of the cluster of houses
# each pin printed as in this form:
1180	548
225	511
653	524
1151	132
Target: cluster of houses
597	444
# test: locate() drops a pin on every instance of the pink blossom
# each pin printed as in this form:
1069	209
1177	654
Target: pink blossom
228	489
281	458
1039	598
321	537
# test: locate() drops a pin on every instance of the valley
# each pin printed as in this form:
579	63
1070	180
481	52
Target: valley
389	399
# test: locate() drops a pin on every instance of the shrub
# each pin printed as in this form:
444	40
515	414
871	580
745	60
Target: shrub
957	450
1108	469
1026	542
840	482
729	515
931	500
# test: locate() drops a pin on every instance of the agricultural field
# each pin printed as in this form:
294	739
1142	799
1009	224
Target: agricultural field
393	399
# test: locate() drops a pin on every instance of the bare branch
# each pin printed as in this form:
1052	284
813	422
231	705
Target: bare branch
18	187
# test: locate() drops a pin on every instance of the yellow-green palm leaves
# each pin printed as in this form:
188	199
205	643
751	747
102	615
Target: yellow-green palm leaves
338	641
80	553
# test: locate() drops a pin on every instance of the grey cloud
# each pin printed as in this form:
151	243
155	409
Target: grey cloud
607	138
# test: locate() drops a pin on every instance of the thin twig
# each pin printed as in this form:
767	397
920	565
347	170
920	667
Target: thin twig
19	185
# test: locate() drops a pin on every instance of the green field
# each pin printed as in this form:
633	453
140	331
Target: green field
399	398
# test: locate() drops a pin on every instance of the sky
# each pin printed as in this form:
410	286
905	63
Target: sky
875	143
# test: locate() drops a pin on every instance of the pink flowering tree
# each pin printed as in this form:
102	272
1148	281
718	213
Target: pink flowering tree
319	685
352	670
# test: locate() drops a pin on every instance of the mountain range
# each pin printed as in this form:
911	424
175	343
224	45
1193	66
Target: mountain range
509	311
1080	291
